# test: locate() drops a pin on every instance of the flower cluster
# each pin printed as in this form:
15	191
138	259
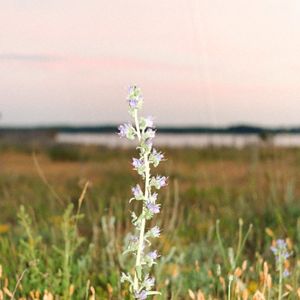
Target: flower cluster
142	129
281	254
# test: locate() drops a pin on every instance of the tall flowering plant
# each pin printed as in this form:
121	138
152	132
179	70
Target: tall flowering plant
281	253
139	244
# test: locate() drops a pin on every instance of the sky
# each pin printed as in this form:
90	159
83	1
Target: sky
198	62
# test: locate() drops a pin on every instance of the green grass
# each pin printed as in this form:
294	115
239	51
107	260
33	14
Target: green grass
51	246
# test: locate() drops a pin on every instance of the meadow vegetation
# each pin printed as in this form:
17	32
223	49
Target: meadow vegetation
64	218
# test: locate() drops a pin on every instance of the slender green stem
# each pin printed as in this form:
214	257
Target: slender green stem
239	241
268	293
229	287
280	280
137	125
221	244
241	247
139	251
143	220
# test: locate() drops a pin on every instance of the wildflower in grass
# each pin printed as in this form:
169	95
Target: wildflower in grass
150	133
286	273
137	163
152	207
141	284
134	98
133	103
141	295
151	258
281	253
159	181
126	130
156	157
155	231
123	130
153	255
149	283
137	192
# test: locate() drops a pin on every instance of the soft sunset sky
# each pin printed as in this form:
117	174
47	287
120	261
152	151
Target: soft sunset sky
197	61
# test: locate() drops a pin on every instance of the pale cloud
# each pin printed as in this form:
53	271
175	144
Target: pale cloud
25	57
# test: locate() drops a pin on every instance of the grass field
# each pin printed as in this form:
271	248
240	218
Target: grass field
48	246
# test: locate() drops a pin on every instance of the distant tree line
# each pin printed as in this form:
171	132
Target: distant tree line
238	129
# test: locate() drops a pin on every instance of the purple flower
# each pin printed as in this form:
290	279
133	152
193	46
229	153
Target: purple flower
280	245
133	103
141	295
280	251
137	163
160	181
155	231
286	273
124	130
134	97
157	155
153	208
149	283
137	192
153	255
150	133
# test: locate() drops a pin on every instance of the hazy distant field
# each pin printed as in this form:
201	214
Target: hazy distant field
259	185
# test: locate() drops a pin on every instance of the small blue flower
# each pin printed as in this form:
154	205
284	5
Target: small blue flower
135	98
149	283
124	130
141	295
133	103
153	255
157	155
280	250
150	133
281	243
137	163
137	192
160	181
286	273
152	207
280	246
155	231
